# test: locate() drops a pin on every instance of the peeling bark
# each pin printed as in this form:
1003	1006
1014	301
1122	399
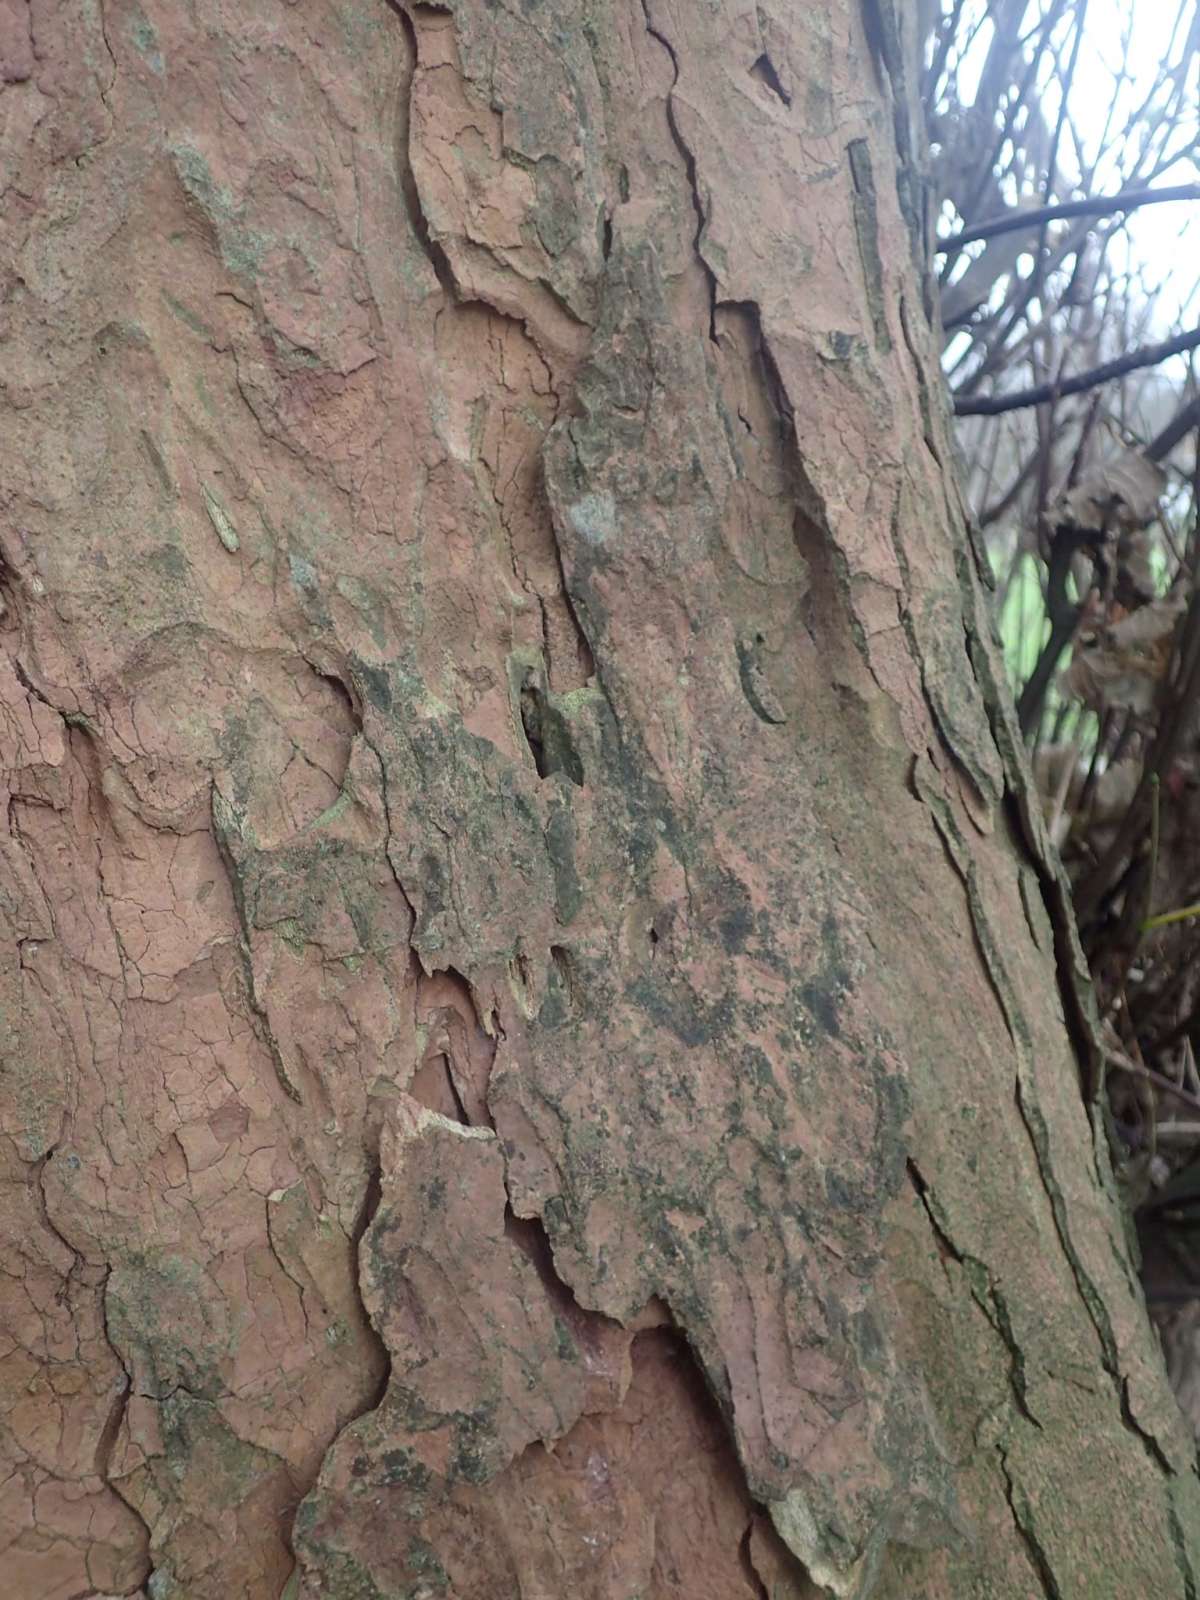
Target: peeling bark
542	1037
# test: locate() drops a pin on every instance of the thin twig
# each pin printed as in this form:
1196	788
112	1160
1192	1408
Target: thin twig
1182	423
1152	870
1164	919
1118	1058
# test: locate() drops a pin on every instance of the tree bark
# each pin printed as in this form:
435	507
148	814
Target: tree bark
542	1042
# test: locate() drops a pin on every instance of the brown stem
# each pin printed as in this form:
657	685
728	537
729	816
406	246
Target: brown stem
1095	206
1148	356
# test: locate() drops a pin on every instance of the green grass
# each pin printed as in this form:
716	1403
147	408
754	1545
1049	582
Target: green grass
1024	628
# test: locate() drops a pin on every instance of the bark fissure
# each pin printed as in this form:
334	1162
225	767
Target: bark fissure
297	1283
1074	987
406	179
106	1445
1026	1527
372	1196
391	834
986	1294
1023	809
747	1558
226	832
866	227
765	72
1187	1571
687	155
1031	1115
523	319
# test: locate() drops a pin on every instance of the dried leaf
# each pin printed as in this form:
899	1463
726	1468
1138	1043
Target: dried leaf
1120	493
1121	665
1137	580
1149	630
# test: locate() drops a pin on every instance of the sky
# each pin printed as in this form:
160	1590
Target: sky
1133	34
1166	238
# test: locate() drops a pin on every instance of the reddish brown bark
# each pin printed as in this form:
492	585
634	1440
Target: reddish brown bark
533	1057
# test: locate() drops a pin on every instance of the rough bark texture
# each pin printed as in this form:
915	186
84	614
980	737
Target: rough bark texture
533	1062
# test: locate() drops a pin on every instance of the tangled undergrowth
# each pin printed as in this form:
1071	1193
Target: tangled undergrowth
1120	787
1070	351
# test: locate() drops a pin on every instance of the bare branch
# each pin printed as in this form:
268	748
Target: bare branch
1150	355
1097	206
1183	422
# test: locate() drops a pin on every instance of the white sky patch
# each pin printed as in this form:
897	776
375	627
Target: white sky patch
1123	43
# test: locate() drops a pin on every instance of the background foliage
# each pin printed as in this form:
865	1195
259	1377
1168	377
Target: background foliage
1064	173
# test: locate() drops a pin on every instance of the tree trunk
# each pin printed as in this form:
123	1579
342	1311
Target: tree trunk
541	1045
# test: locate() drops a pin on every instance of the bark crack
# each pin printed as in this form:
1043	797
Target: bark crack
745	1554
372	1197
387	848
1073	977
106	89
1182	1559
417	220
866	228
1024	1524
285	1269
764	71
987	1296
457	298
107	1444
1030	1112
689	163
225	829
